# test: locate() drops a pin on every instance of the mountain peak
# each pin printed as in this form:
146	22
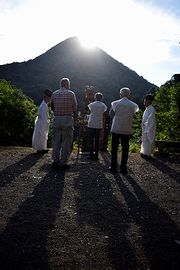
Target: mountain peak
83	67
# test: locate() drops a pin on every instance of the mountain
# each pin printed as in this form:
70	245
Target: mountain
82	66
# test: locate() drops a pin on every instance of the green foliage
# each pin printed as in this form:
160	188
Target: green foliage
167	103
17	116
134	147
136	135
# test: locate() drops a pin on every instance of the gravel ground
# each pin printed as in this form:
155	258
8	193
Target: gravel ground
86	218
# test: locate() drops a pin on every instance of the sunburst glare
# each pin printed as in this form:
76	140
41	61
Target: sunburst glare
87	42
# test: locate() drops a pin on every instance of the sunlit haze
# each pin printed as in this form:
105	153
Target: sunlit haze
143	35
87	43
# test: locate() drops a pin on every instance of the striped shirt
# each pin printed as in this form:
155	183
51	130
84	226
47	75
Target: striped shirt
64	102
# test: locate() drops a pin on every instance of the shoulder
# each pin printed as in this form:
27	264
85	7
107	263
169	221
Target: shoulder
71	92
151	109
55	92
43	104
133	103
92	104
103	105
115	102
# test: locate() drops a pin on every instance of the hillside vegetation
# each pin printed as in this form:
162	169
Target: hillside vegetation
167	104
18	113
17	116
82	66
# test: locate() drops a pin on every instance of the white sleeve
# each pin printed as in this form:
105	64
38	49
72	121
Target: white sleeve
113	106
89	106
105	107
136	109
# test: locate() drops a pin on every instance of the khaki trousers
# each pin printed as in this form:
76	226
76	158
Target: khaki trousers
63	127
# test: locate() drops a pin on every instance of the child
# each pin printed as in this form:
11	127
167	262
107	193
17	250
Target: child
95	124
41	129
148	127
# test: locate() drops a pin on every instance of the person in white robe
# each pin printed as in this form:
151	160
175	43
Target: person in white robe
41	128
148	127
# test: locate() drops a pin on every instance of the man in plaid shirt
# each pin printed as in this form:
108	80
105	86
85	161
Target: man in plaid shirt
64	106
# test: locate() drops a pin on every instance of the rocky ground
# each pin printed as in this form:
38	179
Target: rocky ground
86	218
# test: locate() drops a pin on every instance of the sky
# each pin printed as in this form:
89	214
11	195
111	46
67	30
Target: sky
144	35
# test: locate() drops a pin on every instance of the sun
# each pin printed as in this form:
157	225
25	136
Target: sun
87	42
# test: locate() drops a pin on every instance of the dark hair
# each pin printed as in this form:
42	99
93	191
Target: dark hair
47	93
63	81
98	96
149	97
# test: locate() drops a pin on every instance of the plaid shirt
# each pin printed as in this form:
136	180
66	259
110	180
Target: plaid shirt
64	102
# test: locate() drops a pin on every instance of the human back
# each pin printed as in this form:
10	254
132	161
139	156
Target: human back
97	109
64	102
64	107
124	110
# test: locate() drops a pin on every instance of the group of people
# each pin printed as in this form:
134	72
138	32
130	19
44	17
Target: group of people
64	106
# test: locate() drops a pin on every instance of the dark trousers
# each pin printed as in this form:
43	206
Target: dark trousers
116	138
93	141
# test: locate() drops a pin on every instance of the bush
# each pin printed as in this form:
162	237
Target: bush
167	103
17	116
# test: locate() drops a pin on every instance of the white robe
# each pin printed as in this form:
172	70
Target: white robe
41	128
148	130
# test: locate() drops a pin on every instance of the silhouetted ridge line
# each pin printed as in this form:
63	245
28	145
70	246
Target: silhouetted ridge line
83	67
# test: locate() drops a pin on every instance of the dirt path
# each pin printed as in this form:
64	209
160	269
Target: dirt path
86	218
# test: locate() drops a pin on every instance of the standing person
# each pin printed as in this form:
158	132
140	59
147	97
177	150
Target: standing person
122	111
41	128
64	106
95	124
148	127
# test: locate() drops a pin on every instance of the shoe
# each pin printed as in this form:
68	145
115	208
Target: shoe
113	170
93	158
145	156
90	157
55	165
64	166
123	170
43	151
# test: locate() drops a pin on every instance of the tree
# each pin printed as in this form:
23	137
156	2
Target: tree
17	116
167	103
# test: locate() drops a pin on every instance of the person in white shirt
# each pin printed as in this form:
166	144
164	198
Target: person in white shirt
41	128
148	127
95	124
122	111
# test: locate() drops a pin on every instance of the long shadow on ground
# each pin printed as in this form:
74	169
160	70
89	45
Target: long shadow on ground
23	243
161	166
11	172
159	232
98	207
